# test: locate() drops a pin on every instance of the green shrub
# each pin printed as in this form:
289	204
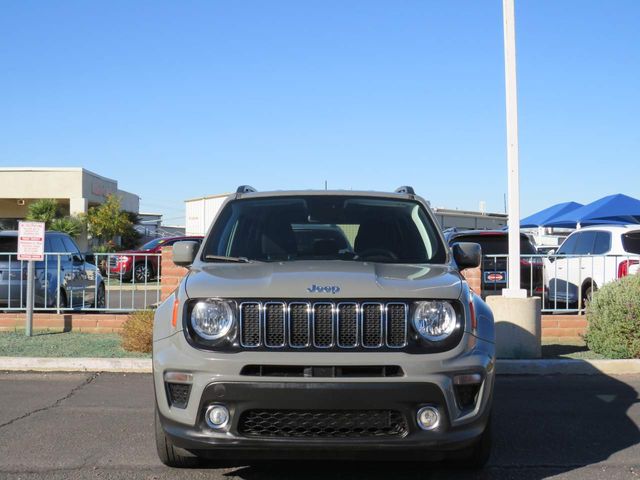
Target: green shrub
614	319
137	332
72	226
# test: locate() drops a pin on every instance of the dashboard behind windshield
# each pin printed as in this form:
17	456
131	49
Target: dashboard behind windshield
318	227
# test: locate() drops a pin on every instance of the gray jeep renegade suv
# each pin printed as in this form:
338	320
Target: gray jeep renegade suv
323	323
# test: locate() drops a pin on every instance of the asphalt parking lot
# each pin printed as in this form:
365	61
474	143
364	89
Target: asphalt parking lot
100	426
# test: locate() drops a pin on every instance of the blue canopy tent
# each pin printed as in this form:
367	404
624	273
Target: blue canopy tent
613	209
541	218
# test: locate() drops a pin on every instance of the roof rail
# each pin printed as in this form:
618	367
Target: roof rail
406	189
246	189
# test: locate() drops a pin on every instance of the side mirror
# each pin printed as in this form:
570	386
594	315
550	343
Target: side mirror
467	255
551	252
184	253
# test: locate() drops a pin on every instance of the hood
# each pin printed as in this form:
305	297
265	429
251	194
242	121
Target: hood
323	279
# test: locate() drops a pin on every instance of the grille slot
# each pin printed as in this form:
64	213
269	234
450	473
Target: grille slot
323	324
299	324
372	325
322	423
178	394
274	324
250	331
396	324
347	325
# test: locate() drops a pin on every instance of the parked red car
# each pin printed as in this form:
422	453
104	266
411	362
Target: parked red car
139	265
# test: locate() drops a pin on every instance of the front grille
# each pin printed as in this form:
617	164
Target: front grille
322	423
178	394
323	324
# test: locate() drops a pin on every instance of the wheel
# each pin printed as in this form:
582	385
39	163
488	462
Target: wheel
587	296
63	300
169	454
141	273
101	298
478	455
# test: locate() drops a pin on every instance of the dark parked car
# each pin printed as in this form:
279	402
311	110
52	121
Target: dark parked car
139	265
495	247
65	271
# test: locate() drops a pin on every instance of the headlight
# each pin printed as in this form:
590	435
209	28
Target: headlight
212	319
434	320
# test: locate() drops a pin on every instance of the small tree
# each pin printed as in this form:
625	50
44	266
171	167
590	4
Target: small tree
45	210
131	237
107	220
72	226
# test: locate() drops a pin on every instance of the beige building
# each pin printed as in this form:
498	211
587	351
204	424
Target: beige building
75	189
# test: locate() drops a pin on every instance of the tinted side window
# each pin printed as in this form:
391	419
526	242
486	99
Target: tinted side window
70	246
603	243
585	243
631	242
9	244
569	244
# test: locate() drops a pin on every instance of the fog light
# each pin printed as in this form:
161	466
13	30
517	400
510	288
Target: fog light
217	416
428	418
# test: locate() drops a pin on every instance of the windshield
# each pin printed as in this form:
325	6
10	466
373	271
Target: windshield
326	228
493	244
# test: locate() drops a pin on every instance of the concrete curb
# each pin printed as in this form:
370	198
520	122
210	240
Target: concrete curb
143	365
43	364
568	367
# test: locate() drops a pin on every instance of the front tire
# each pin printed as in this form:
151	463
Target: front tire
477	456
101	297
588	295
168	453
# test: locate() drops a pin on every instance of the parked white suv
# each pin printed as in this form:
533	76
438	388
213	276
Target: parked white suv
589	258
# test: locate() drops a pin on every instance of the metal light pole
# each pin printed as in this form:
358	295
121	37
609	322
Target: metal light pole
514	289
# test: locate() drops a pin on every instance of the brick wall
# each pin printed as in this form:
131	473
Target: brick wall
171	274
563	328
77	322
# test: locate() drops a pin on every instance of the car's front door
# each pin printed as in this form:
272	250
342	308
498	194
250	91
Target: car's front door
557	273
82	287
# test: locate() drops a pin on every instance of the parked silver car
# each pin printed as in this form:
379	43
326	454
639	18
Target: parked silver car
278	344
64	279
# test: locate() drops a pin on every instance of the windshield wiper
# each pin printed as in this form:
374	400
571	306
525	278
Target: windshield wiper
222	258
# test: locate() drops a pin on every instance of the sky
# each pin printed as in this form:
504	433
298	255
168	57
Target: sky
182	99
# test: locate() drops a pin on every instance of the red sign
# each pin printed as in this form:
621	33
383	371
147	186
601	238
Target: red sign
31	241
495	277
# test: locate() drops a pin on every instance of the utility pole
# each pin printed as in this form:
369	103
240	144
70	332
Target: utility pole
514	289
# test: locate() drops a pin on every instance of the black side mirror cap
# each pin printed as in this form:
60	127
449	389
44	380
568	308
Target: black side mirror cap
467	255
184	253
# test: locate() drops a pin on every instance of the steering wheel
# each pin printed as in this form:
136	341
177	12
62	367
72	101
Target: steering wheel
377	252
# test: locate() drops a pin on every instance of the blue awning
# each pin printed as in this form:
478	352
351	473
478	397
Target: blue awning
613	209
541	218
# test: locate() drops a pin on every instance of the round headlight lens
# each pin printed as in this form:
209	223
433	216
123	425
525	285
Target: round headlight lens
212	319
434	320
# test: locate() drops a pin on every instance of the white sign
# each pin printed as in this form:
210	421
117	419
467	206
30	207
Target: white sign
30	240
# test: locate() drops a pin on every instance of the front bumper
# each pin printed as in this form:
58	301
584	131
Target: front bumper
427	380
405	398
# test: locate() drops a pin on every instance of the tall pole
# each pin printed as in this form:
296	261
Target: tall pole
29	316
513	183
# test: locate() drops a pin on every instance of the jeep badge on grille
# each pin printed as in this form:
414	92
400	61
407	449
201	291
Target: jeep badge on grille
323	289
